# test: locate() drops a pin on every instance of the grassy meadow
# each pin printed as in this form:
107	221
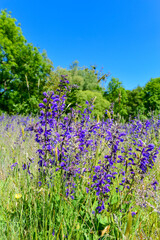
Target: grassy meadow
88	166
71	201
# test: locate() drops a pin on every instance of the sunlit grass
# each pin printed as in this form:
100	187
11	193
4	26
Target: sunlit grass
28	211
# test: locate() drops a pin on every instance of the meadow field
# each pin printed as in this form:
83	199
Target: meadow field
65	175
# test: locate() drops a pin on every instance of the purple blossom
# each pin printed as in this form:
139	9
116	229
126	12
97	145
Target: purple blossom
133	213
14	165
79	147
101	207
41	105
154	184
45	100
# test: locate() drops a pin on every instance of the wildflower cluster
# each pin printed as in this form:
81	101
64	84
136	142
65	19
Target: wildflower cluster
105	154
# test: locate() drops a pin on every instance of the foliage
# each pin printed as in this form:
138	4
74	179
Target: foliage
58	194
85	86
117	94
83	77
23	70
79	98
25	74
135	104
141	101
152	95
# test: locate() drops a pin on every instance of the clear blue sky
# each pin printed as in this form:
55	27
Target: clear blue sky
122	36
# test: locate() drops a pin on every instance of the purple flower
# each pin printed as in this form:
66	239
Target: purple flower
45	100
97	168
24	166
154	184
45	94
41	105
14	165
101	208
151	146
87	190
62	164
39	183
133	213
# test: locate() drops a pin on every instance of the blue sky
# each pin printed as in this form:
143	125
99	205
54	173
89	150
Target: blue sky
122	36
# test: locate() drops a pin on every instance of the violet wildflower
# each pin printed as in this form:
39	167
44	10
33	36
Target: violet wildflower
41	105
45	100
14	165
154	184
133	213
101	207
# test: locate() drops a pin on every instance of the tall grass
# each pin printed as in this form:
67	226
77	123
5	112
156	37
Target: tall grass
81	178
46	213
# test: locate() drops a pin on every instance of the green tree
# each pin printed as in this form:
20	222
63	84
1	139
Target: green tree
117	95
85	78
88	86
79	97
23	69
152	95
135	104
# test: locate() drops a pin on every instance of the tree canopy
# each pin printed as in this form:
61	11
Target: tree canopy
23	69
152	95
25	74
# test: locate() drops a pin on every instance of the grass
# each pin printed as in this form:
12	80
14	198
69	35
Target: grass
46	213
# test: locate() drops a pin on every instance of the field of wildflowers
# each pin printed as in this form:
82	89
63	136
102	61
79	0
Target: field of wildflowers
65	175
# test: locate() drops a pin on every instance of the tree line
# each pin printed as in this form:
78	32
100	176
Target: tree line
25	74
